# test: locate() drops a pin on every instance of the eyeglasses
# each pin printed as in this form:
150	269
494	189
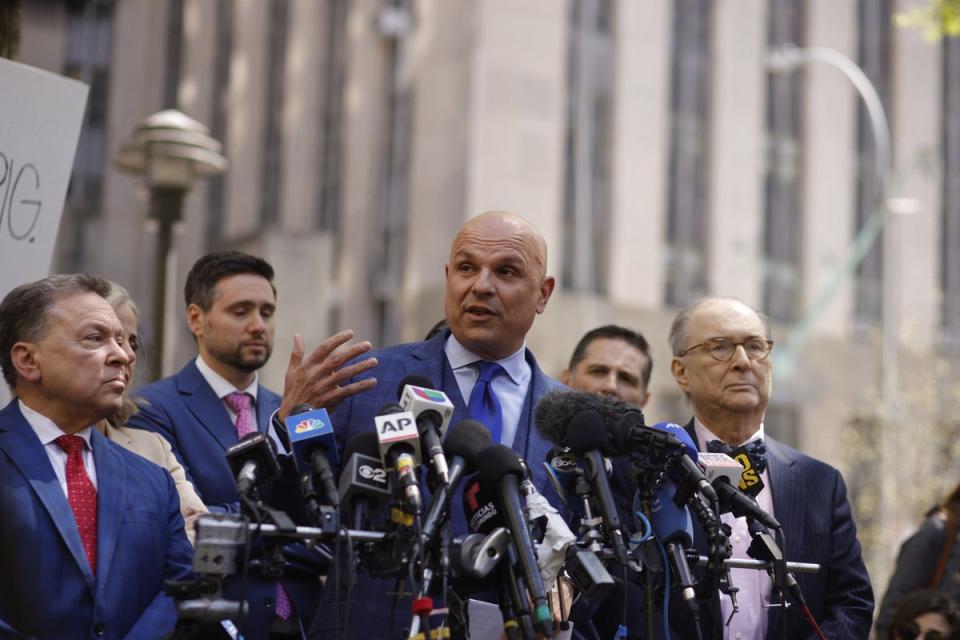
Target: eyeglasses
722	349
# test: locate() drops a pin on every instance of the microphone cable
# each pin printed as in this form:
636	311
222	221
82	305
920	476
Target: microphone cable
797	592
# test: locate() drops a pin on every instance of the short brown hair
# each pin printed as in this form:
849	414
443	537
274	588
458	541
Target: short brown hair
23	311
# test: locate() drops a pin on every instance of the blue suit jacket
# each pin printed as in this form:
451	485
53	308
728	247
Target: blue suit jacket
369	609
186	411
810	501
48	589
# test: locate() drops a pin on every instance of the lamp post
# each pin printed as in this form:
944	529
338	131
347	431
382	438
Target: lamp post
885	210
171	151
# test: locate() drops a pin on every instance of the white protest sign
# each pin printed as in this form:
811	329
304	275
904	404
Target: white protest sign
40	118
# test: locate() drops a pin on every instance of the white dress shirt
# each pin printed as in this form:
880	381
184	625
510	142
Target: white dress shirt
48	432
750	621
511	389
223	388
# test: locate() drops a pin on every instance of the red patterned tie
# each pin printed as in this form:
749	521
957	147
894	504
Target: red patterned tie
242	404
82	496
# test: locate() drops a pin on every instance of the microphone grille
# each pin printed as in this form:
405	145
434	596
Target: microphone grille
496	461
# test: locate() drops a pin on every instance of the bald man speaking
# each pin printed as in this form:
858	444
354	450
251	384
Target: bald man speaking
496	285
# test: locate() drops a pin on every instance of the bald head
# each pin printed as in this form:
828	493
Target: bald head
496	283
505	224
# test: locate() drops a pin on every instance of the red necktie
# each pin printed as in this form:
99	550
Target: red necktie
82	496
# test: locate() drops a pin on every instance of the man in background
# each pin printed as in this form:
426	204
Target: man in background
721	362
611	361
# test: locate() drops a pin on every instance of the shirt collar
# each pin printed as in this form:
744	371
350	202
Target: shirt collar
220	385
705	435
47	430
460	357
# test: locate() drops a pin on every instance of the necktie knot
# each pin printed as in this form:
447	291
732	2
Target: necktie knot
487	370
70	444
484	404
756	450
238	401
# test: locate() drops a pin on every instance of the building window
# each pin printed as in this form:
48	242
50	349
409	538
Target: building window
89	39
782	207
950	231
271	168
687	175
220	81
330	141
586	206
874	47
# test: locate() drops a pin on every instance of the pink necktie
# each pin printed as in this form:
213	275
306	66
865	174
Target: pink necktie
82	496
242	405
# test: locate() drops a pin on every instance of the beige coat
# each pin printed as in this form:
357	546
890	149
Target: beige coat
156	449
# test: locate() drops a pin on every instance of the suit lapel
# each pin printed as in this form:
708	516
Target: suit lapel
111	498
430	361
205	406
28	454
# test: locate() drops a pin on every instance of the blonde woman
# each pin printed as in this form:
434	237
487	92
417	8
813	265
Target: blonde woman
151	446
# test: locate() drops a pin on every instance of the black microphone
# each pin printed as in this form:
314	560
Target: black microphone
313	443
500	473
463	446
587	437
253	461
364	488
623	422
399	444
723	473
432	410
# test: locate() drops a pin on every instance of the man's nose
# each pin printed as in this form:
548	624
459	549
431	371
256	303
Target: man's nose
740	358
483	283
258	324
118	354
608	384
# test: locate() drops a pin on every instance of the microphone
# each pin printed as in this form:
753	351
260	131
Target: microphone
500	474
686	470
673	526
363	481
563	470
623	422
432	411
724	474
463	446
399	443
586	437
314	446
253	461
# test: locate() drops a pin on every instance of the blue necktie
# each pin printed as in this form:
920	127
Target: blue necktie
484	405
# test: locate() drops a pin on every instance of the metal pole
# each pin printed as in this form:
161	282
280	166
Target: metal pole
166	206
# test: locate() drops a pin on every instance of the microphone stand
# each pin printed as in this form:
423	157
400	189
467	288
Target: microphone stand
645	484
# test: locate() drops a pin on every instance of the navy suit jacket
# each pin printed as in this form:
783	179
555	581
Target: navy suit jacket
47	589
369	609
810	501
187	412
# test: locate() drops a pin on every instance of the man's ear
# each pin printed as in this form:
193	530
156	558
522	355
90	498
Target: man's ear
195	320
679	372
565	377
546	289
26	361
646	399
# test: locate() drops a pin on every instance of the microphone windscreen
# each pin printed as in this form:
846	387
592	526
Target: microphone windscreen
302	407
415	381
389	408
586	432
556	408
467	439
365	442
496	461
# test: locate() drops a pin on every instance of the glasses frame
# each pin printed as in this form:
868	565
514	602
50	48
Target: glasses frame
742	343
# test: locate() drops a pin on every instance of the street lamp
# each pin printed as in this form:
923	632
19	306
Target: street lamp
171	151
885	211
